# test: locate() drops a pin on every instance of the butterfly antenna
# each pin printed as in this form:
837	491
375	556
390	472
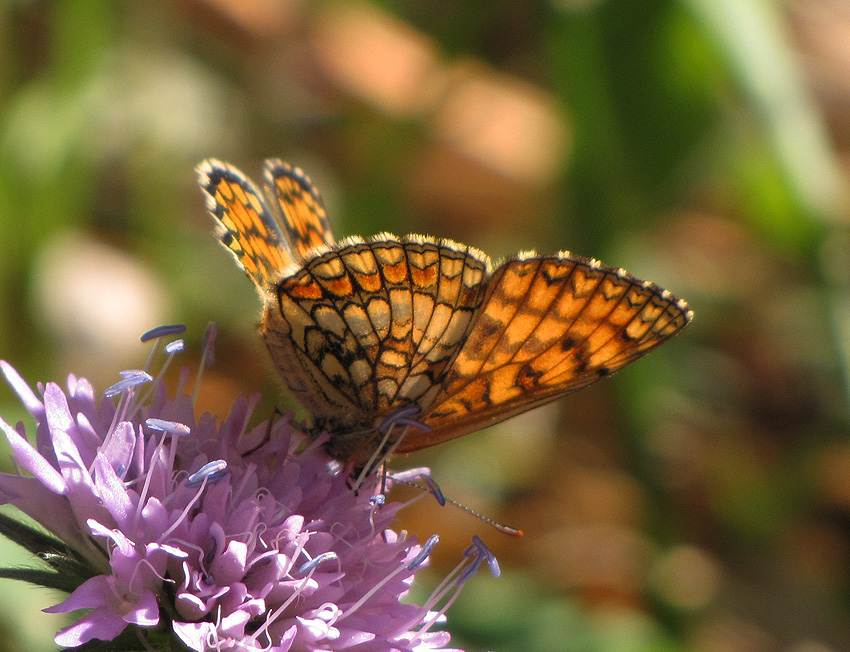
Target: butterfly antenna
438	494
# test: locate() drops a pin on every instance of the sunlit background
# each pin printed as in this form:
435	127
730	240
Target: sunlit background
700	500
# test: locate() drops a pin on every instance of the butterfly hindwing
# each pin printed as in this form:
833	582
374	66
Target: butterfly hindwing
369	327
446	282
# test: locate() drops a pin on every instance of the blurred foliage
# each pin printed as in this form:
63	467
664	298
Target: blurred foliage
698	501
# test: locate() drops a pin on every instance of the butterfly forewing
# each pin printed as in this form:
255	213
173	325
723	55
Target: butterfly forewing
243	222
303	217
548	326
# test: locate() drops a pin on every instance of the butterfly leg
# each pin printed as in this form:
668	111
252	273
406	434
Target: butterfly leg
276	414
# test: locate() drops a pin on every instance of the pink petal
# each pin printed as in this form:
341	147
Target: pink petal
146	614
229	566
45	507
189	605
62	429
234	623
28	398
194	635
286	640
116	499
100	623
119	445
31	460
94	592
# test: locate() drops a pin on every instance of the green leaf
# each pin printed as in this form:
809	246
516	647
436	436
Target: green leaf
47	579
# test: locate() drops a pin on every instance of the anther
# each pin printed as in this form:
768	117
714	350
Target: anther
306	567
422	555
422	473
171	427
175	347
131	373
212	472
480	552
163	331
131	378
403	417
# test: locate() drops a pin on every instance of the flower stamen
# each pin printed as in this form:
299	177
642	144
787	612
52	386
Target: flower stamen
382	452
177	346
422	473
211	472
129	380
310	566
207	357
372	591
422	555
163	331
168	427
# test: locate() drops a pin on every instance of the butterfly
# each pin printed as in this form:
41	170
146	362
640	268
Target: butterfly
401	343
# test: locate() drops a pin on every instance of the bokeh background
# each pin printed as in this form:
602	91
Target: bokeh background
700	500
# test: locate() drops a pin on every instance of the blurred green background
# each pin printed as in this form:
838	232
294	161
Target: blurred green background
700	500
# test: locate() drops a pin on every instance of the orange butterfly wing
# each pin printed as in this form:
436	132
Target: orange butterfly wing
303	217
243	222
548	327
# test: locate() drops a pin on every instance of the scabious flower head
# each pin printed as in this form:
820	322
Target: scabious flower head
226	536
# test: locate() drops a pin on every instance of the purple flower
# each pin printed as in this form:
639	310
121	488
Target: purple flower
223	535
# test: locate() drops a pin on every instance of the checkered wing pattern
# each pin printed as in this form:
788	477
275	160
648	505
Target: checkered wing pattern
243	222
303	216
372	326
548	326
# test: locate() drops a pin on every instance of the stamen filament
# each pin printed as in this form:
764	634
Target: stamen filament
207	357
